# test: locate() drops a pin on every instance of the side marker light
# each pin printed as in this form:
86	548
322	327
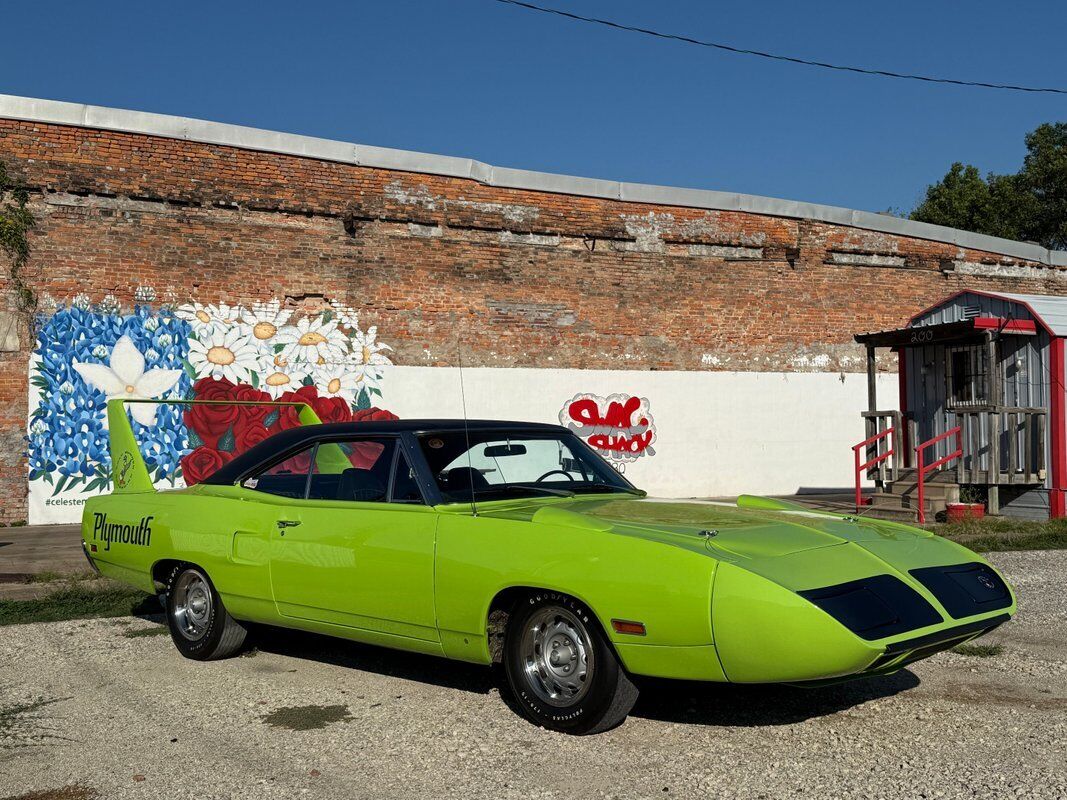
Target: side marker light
628	626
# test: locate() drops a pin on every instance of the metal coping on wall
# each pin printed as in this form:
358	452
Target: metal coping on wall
227	135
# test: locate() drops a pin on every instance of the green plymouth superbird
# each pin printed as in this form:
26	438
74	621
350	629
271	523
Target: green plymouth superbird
515	542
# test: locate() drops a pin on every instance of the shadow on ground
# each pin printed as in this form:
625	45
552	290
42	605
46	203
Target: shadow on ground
761	704
381	660
667	701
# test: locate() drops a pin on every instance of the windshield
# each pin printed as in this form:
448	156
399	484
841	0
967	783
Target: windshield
499	465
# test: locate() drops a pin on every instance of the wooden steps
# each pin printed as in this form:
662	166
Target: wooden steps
899	500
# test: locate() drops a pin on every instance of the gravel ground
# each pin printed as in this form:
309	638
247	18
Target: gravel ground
108	705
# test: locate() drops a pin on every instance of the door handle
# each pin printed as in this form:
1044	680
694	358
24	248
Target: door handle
288	523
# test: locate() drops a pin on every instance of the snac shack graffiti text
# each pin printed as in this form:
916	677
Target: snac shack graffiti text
620	426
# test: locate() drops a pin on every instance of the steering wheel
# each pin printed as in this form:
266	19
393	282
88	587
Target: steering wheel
555	472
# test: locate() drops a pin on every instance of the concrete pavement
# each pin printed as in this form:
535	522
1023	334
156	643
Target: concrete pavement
34	549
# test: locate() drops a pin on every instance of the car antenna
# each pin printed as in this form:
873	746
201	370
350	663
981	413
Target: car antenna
466	426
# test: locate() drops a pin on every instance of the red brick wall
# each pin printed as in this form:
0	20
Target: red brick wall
523	276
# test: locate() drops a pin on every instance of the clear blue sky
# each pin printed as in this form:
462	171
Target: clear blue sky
475	78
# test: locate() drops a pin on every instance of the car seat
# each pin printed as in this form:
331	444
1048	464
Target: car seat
360	485
461	479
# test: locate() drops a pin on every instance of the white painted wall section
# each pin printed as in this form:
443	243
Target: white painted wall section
717	433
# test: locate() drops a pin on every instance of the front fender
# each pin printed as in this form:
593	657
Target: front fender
617	577
765	633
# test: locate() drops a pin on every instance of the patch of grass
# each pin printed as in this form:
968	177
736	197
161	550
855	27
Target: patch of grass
978	650
139	633
44	577
76	601
11	715
997	534
49	576
24	724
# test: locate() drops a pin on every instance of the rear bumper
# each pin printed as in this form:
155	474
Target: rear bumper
89	558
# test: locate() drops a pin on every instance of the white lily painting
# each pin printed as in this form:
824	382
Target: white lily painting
125	378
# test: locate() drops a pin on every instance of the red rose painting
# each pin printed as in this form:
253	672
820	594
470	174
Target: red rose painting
200	463
242	416
332	409
248	432
373	414
246	394
289	416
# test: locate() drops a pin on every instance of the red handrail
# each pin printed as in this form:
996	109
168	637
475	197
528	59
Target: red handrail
924	468
860	468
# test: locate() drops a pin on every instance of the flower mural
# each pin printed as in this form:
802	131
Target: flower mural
219	432
85	355
89	353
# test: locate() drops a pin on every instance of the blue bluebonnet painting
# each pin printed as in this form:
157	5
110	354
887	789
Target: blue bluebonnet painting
86	354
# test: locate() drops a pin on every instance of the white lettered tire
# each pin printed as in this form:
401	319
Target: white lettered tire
562	671
200	626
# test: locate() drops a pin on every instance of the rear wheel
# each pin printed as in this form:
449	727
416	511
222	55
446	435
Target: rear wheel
199	624
561	668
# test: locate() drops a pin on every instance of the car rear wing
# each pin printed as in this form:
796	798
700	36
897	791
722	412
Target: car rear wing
128	470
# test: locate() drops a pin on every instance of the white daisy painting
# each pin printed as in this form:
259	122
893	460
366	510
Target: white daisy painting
313	340
264	320
276	349
205	318
223	353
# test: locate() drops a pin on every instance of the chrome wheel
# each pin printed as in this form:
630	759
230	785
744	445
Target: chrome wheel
557	656
191	595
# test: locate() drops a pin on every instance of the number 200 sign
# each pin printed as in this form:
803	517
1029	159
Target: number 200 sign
920	336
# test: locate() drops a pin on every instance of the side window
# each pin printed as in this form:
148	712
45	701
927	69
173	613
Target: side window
405	487
356	470
967	372
287	478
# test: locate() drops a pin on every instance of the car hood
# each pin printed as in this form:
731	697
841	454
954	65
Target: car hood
724	529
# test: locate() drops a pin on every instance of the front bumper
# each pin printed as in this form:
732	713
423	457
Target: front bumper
899	654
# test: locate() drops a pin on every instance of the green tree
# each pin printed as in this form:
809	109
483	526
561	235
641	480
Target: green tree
15	223
1044	178
1030	205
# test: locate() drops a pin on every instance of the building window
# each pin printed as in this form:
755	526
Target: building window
968	377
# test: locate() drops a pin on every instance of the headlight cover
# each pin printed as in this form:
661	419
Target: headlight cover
875	607
965	589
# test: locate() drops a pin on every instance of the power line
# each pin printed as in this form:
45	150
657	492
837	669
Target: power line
776	56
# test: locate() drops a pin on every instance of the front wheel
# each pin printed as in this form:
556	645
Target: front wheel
199	624
561	669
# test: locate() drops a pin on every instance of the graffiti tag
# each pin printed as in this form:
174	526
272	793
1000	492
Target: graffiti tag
620	426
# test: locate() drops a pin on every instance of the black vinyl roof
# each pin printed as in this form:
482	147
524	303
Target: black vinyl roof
291	439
